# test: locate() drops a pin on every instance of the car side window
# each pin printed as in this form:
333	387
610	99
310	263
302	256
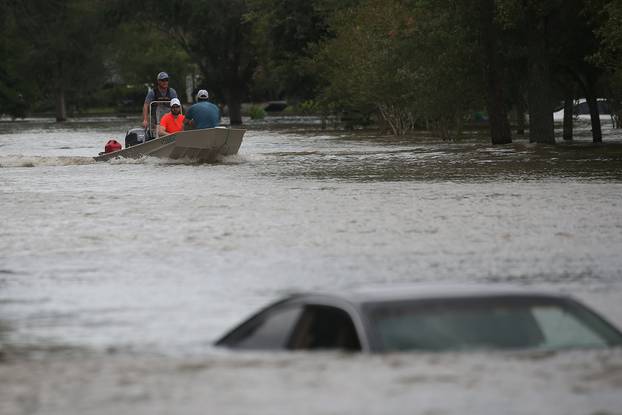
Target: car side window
267	331
324	327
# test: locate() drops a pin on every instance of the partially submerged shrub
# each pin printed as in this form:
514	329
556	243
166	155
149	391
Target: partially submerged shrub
256	112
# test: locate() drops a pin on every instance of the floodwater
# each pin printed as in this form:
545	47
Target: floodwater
116	277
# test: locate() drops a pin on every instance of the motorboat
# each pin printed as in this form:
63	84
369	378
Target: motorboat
195	145
201	145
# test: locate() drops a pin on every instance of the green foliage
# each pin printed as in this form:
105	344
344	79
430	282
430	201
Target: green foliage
611	30
284	35
12	100
138	53
61	47
609	55
256	112
216	36
408	64
309	107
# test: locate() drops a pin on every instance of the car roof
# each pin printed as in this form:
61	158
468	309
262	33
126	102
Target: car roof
405	292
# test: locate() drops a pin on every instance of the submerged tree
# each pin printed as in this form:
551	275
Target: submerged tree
405	62
356	64
136	55
62	43
216	36
493	70
559	39
12	101
284	32
285	36
573	66
529	22
539	89
609	54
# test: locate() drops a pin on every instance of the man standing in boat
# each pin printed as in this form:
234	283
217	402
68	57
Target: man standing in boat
203	114
173	121
161	92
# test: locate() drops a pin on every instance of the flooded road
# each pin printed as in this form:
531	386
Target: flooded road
115	278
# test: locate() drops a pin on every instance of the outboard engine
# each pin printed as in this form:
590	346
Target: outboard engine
134	136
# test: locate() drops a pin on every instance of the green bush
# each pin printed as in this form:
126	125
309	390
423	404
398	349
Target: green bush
309	107
256	112
399	61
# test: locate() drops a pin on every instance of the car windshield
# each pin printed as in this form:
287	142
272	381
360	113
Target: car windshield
479	323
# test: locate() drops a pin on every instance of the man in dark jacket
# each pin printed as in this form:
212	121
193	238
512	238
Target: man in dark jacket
161	92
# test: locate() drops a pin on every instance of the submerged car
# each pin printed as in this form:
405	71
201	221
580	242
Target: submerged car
424	319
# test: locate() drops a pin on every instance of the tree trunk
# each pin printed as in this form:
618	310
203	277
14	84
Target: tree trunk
520	116
616	114
541	129
617	119
61	108
234	102
568	117
592	103
500	132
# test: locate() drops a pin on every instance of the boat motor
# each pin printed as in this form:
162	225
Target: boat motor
112	145
134	136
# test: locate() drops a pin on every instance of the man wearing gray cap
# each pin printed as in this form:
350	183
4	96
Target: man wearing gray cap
203	114
161	92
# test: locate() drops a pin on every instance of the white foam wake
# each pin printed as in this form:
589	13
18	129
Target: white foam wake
36	161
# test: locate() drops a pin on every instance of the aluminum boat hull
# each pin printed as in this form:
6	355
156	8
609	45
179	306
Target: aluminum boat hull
194	145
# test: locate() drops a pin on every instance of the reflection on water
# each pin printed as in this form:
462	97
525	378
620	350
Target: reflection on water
115	262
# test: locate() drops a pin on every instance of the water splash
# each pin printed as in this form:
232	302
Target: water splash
12	161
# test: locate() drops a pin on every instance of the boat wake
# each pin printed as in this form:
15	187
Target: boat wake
17	161
37	161
231	159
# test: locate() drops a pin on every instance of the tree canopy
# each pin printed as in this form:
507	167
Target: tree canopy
403	64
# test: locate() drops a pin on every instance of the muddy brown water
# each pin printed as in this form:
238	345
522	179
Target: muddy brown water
116	277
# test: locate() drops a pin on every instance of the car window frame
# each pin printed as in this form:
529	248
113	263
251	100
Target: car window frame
351	309
307	324
262	315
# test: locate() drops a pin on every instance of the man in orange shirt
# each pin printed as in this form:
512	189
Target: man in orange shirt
173	121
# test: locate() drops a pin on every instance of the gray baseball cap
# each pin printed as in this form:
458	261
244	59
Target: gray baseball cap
202	94
162	75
